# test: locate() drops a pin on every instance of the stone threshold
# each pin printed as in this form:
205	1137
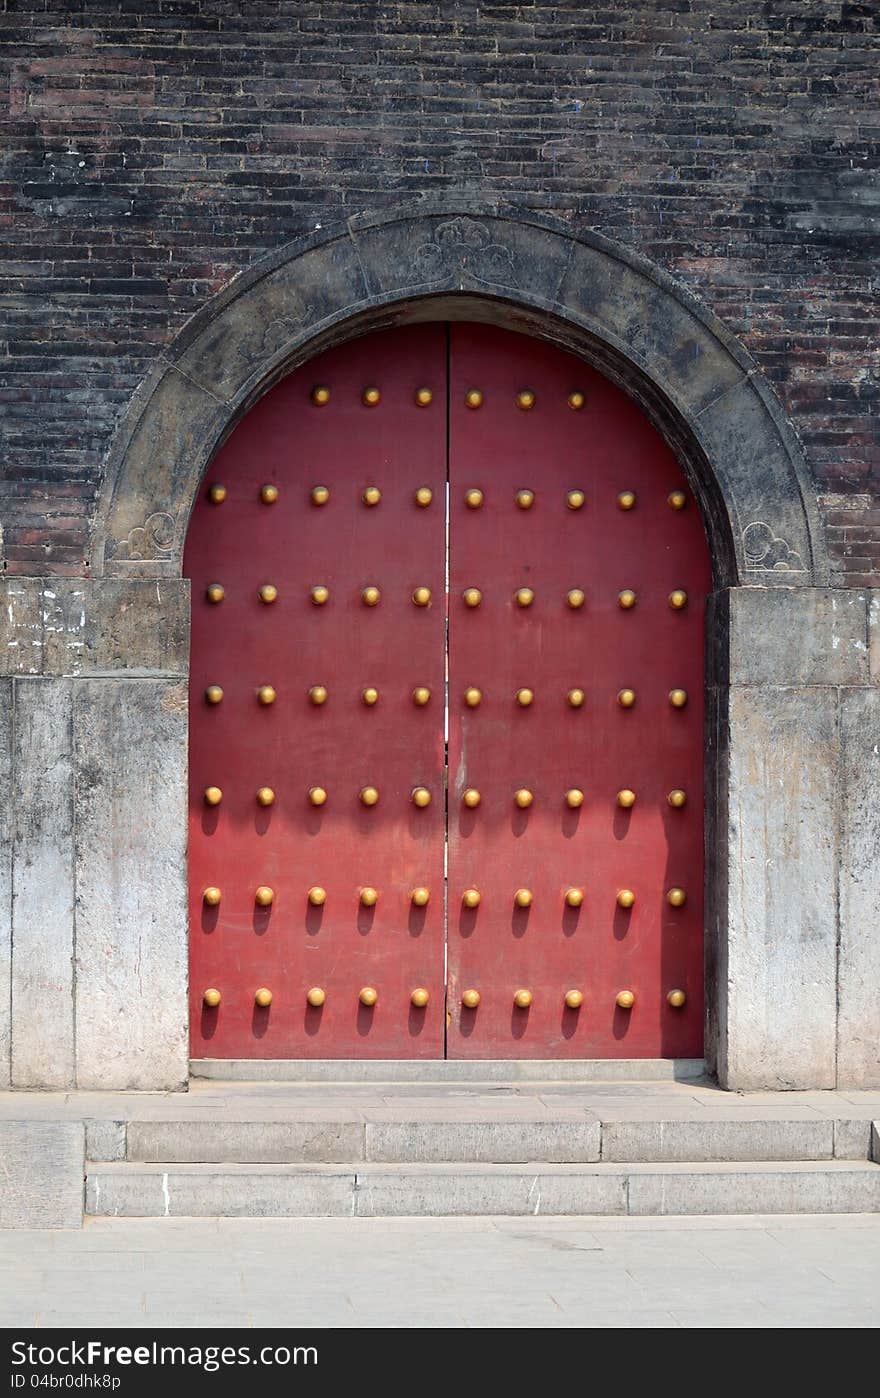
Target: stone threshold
486	1070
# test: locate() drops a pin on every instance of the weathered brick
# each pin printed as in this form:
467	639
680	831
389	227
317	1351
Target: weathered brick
154	148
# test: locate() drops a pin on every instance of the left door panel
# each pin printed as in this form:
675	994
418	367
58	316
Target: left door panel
305	649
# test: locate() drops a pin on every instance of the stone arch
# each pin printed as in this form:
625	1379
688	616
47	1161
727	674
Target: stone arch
459	261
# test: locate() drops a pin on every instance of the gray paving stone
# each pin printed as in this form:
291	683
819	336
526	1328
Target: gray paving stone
401	1272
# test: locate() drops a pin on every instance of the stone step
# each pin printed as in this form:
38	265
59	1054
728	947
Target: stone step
374	1190
448	1070
500	1136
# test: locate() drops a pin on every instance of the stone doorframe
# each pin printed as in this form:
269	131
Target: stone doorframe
98	746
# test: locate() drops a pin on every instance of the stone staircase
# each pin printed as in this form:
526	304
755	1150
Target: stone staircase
343	1150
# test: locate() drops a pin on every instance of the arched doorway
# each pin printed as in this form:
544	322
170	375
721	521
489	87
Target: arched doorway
486	577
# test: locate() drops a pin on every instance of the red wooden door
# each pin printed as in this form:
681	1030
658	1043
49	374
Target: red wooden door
308	649
344	669
575	510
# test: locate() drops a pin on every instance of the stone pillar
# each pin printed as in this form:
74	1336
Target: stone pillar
793	825
93	741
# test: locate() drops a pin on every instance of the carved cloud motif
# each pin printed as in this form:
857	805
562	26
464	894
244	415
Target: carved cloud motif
462	245
276	335
764	550
151	540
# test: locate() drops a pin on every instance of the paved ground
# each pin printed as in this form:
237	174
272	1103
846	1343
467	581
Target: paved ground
352	1101
707	1272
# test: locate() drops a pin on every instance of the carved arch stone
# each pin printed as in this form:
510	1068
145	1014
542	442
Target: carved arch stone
512	267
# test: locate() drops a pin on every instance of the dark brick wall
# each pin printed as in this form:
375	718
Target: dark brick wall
155	147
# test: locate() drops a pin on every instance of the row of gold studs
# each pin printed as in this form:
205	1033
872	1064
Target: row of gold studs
371	596
371	397
474	497
421	695
316	996
421	796
471	898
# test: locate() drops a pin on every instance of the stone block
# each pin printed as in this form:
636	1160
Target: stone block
753	451
491	1190
105	1140
858	1028
138	627
874	635
777	995
262	1142
265	322
875	1141
460	252
43	886
42	1168
852	1139
707	1140
504	1142
830	1187
21	626
6	795
204	1191
174	435
621	304
132	924
794	636
488	1070
74	626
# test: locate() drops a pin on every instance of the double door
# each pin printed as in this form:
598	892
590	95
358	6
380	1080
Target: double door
446	714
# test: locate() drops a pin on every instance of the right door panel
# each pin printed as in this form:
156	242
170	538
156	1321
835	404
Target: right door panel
524	847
